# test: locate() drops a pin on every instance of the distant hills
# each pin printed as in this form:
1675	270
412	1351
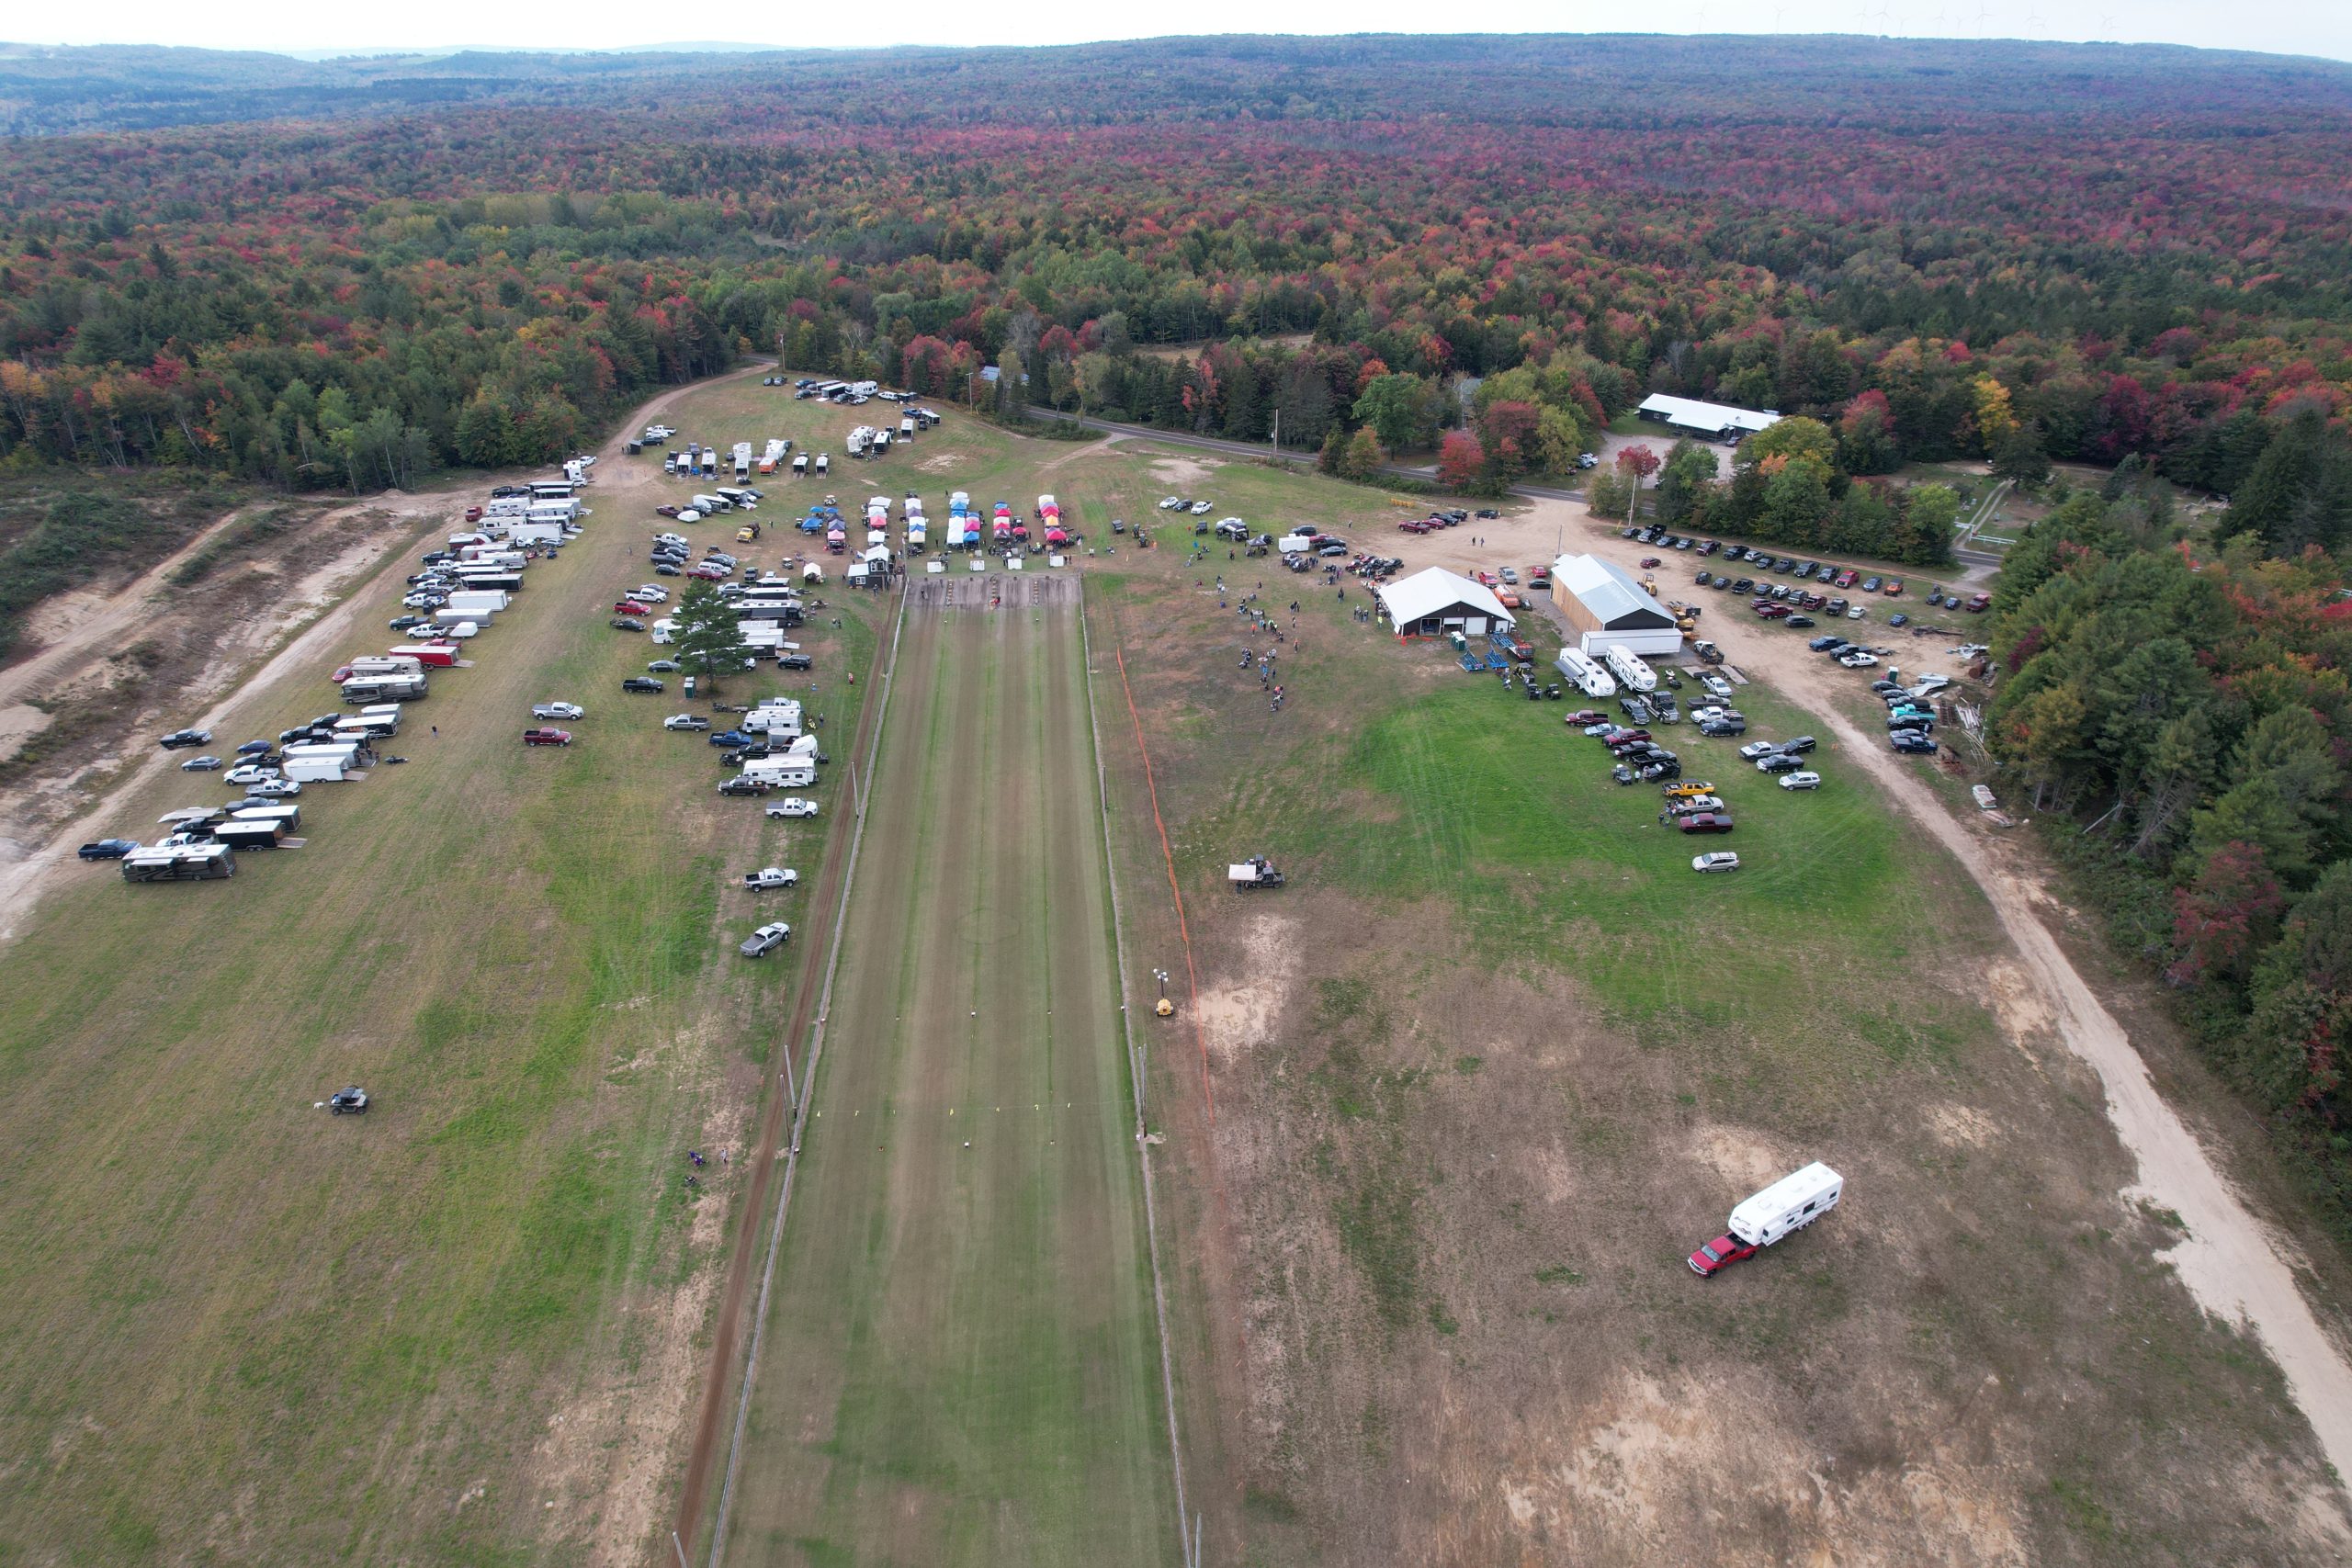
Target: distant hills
48	91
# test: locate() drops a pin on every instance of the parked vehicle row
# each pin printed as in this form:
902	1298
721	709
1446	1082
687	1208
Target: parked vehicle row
461	587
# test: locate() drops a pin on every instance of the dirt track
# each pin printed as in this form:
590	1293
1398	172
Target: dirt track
2230	1261
959	1360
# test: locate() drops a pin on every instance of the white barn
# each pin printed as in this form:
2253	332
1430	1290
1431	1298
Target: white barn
1708	421
1603	605
1435	601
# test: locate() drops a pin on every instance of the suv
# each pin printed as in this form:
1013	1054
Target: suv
795	661
546	737
640	684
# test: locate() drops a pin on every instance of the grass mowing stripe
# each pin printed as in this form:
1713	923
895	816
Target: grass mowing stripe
960	1365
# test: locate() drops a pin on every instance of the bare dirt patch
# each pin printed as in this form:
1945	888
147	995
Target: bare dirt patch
1181	472
1238	1017
944	463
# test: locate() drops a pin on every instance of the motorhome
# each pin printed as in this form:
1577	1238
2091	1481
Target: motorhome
384	688
180	862
386	664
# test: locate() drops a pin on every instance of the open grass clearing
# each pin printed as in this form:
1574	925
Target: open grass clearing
1497	1059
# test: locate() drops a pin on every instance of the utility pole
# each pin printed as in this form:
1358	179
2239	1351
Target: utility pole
1278	430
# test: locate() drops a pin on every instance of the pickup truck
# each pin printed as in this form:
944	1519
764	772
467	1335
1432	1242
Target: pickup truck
685	721
773	878
546	737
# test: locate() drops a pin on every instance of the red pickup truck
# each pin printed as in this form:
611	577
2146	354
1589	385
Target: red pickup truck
546	737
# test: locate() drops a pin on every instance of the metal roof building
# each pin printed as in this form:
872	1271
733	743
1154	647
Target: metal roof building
1603	605
1709	422
1432	603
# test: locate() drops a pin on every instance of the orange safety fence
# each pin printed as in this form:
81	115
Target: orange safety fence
1192	975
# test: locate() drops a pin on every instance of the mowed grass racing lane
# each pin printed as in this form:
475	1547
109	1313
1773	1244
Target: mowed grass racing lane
959	1363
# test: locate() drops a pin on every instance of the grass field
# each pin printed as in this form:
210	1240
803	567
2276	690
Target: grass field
238	1328
960	1364
1459	1099
1497	1059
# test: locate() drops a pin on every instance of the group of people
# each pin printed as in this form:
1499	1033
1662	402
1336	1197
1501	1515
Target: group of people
694	1157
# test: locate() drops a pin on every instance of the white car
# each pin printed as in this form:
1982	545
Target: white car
558	710
248	774
1801	780
1170	504
793	805
1715	860
276	788
649	593
1200	508
1857	658
1856	613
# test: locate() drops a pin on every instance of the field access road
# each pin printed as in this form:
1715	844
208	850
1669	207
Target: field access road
959	1362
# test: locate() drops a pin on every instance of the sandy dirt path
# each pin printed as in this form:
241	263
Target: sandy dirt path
2233	1264
83	627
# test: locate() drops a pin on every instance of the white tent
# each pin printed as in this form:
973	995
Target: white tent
1432	603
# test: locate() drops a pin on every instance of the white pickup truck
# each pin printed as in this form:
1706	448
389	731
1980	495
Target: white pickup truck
773	878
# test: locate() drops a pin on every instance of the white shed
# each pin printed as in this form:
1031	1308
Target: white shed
1433	602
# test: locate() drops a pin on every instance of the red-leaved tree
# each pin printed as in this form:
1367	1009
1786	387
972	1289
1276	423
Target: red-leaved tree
1460	458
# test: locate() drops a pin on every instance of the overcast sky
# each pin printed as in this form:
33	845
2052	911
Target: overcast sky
2283	27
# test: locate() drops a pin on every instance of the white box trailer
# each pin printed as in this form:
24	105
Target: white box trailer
284	812
328	762
1627	667
476	604
542	532
1789	1205
1585	671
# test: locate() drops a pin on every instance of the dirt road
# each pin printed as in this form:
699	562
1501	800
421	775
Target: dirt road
2232	1262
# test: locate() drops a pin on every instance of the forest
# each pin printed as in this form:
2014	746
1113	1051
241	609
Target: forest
1479	251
